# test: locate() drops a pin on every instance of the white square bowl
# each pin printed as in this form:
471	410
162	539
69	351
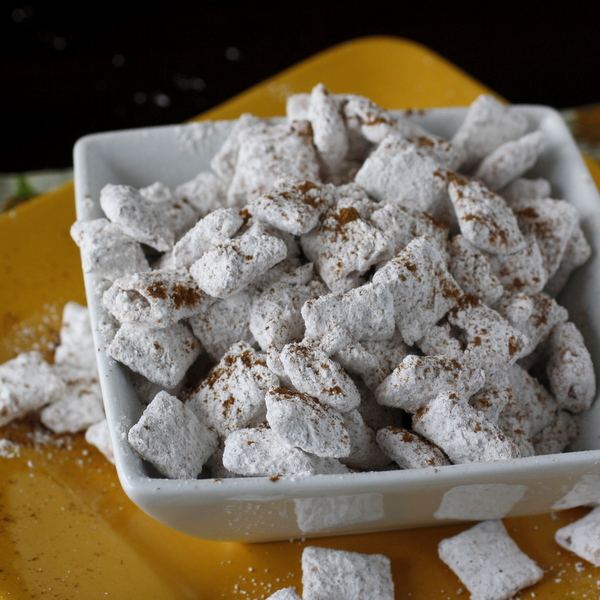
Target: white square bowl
260	509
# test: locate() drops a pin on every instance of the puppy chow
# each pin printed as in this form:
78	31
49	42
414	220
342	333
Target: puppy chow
27	383
402	224
106	250
523	271
79	408
156	299
206	192
515	307
419	379
440	340
577	252
551	222
336	320
488	125
229	267
523	188
570	368
401	173
545	314
223	163
373	121
418	276
365	453
582	537
372	361
329	128
267	152
492	343
311	371
275	317
330	574
76	351
493	397
303	422
556	436
223	323
472	271
171	437
178	212
409	450
484	217
216	227
488	562
464	434
162	355
260	452
232	395
536	405
292	206
344	245
137	217
318	239
511	160
98	435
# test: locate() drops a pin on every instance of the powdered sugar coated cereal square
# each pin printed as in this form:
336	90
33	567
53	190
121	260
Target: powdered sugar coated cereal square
488	562
172	438
328	574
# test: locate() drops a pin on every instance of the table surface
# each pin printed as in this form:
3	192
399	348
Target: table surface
66	528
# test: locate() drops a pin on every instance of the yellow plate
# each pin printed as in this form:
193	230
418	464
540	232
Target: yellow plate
66	528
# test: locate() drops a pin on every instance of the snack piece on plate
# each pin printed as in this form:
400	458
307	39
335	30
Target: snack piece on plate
328	574
582	537
488	562
27	383
79	408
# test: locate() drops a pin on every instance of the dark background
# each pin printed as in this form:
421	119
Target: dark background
70	69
